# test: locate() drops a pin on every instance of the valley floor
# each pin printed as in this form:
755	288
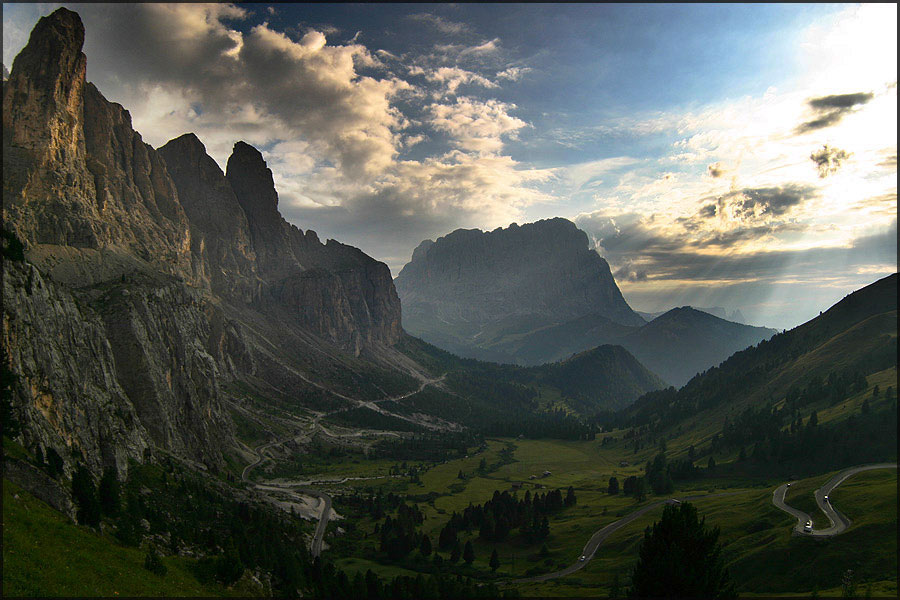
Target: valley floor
761	553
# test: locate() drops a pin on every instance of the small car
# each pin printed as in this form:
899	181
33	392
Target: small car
583	558
788	485
808	527
826	499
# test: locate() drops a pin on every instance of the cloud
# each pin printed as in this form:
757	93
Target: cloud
476	125
513	73
716	170
889	160
756	203
419	199
260	84
829	110
453	77
659	266
440	23
828	160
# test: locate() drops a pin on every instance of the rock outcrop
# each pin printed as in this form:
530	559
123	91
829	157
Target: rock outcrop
337	291
220	234
469	281
153	285
76	175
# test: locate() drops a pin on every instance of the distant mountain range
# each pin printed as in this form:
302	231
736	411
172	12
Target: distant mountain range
537	293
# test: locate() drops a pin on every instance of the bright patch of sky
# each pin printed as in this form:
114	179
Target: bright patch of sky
728	155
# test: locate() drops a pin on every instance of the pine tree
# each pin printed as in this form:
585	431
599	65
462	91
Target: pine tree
109	492
613	488
425	546
54	463
495	560
570	497
468	553
681	558
84	493
455	553
614	588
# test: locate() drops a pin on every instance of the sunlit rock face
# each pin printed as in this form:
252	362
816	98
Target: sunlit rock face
152	281
468	280
75	173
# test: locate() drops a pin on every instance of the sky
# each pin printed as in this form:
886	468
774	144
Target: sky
742	156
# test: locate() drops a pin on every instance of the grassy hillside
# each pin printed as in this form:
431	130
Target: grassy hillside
44	554
856	336
762	555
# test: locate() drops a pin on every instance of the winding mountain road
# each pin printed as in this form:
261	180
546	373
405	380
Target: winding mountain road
839	522
601	535
315	547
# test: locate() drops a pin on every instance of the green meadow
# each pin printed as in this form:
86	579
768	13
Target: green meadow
44	554
760	551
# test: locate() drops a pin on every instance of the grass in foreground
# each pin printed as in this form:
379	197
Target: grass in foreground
44	554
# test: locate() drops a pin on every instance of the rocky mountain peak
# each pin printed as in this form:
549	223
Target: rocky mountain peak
253	182
54	47
476	277
46	84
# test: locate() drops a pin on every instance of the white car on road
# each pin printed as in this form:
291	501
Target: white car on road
808	527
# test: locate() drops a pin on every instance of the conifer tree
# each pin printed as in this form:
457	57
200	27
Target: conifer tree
468	553
613	488
455	553
109	492
495	560
84	492
681	558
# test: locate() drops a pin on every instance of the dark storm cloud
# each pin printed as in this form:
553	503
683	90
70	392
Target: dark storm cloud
715	170
726	239
840	101
829	110
828	160
707	212
750	203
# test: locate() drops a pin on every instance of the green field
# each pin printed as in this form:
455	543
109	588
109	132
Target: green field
758	546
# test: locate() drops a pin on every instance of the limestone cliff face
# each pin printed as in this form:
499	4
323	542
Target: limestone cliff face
220	233
66	386
104	328
335	290
152	282
473	278
75	173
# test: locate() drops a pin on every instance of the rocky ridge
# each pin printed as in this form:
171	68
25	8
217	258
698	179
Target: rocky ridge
154	285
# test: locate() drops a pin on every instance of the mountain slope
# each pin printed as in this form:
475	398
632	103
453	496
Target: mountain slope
856	335
682	342
152	296
150	300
